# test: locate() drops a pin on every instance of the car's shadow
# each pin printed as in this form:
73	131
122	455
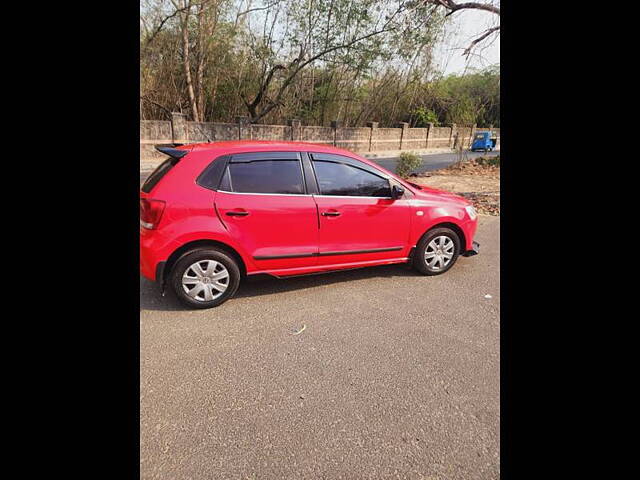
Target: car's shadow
150	298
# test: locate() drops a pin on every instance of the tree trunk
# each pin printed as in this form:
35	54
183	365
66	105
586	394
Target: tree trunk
202	34
186	63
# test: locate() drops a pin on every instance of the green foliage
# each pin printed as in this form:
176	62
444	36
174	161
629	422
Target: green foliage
388	77
408	162
424	116
467	99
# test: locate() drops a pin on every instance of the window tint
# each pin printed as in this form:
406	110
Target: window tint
264	176
341	179
158	173
210	177
225	182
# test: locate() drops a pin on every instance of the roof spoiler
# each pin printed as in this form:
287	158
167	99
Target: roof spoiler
169	149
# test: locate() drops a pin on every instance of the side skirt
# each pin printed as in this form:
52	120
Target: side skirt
304	271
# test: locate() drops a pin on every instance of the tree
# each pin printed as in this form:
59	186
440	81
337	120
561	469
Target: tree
338	32
453	7
316	60
185	12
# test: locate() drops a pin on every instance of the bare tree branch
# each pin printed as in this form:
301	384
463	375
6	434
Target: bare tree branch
454	7
162	22
297	65
256	9
479	39
162	107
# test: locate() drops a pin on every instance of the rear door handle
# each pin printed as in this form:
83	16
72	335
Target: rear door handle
330	214
237	214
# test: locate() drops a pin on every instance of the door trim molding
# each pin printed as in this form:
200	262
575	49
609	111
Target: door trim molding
326	254
354	252
288	255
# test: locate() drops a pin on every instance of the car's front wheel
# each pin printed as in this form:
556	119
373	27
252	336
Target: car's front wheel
437	251
205	278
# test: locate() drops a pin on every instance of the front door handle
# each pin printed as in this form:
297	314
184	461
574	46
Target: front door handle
330	214
237	214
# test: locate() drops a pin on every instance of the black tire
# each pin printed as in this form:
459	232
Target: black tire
419	261
184	264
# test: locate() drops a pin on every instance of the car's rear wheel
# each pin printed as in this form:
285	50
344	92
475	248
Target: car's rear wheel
437	251
205	278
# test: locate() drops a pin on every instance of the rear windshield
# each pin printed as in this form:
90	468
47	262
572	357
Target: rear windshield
158	174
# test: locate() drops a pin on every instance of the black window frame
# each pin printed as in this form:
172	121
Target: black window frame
311	180
214	182
309	174
352	162
249	157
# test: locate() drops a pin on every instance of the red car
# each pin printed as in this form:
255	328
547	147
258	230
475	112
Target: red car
213	213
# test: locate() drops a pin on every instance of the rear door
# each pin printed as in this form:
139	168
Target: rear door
359	221
263	202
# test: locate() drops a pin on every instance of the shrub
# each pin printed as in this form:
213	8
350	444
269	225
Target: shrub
425	116
408	162
490	161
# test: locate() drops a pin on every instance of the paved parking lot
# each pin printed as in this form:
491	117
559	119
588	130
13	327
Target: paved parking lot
396	375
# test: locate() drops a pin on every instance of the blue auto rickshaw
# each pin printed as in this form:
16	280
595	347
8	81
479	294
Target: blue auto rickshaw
484	141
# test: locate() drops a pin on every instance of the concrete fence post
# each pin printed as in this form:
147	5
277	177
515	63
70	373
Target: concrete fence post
453	133
429	133
179	128
373	133
335	124
244	128
497	135
296	129
403	133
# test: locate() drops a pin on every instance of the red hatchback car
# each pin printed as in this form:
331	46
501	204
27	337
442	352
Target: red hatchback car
213	213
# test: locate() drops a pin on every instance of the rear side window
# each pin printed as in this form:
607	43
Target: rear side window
341	179
211	176
263	173
158	174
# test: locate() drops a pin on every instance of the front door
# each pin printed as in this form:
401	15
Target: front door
359	221
262	201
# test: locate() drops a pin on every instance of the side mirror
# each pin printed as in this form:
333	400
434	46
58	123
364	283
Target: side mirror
397	192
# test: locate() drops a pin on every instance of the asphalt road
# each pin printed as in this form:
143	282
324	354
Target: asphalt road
396	375
429	162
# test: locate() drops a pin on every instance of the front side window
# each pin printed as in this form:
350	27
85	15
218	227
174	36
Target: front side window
341	179
264	176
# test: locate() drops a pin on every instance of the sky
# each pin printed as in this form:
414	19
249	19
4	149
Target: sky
464	27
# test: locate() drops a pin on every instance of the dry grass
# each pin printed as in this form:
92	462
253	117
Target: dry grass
477	180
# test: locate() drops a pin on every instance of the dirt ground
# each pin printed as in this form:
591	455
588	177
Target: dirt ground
473	180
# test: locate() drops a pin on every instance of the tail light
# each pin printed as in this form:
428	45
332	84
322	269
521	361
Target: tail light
151	212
